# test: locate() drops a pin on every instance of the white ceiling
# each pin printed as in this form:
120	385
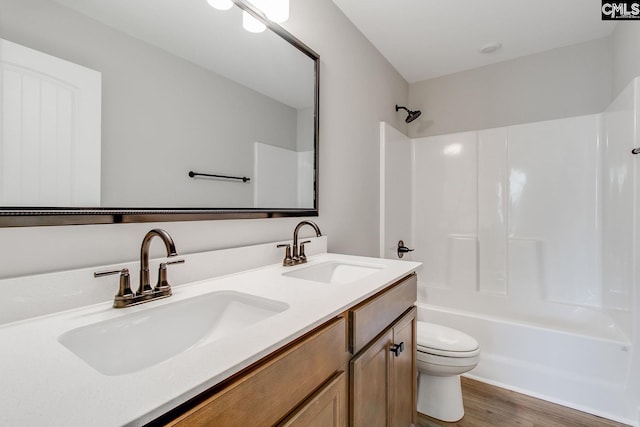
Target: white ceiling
423	39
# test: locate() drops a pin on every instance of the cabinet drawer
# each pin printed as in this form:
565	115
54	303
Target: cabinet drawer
371	317
264	395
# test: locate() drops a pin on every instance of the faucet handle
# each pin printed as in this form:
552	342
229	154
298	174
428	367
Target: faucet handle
287	261
124	290
302	256
110	272
163	287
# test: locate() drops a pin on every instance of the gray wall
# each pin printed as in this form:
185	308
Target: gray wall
157	109
305	129
358	88
563	82
626	54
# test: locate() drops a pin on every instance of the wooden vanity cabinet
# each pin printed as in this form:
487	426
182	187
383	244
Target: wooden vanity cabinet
341	373
383	387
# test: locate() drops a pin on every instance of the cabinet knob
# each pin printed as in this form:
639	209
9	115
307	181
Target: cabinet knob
397	348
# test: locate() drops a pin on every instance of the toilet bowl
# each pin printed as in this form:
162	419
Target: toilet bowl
443	354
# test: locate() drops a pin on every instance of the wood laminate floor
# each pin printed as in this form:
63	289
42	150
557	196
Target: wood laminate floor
489	406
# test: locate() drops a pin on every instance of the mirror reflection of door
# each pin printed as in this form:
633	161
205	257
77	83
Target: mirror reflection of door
50	138
282	177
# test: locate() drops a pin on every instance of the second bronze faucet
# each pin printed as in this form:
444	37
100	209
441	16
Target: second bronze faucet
298	256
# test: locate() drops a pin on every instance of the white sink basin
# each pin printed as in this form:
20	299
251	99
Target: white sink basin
335	272
149	336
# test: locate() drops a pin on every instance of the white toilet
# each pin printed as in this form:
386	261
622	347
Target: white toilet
443	354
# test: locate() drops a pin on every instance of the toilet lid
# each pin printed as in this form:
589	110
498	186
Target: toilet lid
438	339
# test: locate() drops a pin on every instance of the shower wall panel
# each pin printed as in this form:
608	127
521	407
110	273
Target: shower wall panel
445	209
395	194
505	219
552	226
492	210
618	207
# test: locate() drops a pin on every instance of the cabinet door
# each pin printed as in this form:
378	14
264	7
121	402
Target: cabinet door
403	378
326	408
369	384
383	384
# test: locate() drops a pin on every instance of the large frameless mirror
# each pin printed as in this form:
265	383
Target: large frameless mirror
152	110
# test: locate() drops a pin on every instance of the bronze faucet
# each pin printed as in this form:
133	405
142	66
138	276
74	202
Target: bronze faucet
298	257
125	297
145	286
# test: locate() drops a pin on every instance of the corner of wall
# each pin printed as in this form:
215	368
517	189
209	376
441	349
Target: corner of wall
625	65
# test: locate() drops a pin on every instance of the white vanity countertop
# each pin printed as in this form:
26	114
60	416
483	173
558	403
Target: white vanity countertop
44	383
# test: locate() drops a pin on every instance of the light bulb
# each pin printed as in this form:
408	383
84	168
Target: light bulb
221	4
251	24
277	10
274	10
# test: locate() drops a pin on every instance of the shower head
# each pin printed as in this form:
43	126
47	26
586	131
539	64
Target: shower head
411	116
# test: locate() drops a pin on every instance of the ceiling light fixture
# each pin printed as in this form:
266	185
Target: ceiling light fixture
275	10
490	47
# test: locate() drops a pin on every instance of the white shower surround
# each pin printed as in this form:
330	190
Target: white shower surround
528	235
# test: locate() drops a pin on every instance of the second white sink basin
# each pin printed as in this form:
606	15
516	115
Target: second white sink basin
149	336
334	272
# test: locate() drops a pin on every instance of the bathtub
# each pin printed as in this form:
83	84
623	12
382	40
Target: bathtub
548	362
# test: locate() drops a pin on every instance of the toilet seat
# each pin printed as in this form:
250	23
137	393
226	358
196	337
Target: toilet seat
452	354
443	341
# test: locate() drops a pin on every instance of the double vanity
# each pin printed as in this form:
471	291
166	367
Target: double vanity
262	345
230	336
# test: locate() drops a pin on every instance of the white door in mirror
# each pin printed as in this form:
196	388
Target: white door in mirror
51	130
